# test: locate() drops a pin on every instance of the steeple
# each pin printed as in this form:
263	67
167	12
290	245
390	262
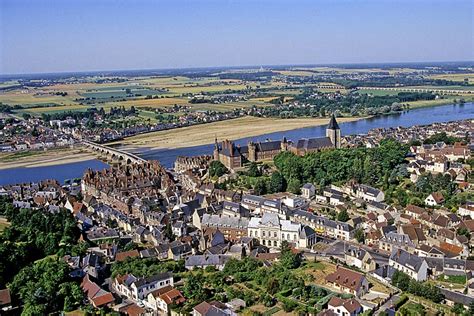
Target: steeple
333	123
334	132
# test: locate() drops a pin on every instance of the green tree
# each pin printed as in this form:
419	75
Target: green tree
277	182
217	169
45	287
260	187
254	171
294	185
359	235
343	216
288	259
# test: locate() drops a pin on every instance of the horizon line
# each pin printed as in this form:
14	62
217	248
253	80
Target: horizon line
234	67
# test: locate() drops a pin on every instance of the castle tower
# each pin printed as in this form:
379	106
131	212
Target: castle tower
284	144
252	151
216	149
334	132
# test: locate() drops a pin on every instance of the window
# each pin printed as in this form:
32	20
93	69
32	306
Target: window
275	234
275	243
263	233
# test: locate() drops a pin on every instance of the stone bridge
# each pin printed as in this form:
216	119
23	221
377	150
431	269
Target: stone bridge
402	89
112	154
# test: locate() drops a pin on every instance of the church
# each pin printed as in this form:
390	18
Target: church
234	156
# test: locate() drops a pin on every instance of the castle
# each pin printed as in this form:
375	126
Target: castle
234	156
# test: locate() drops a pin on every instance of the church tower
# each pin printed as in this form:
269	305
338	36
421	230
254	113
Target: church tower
216	150
334	132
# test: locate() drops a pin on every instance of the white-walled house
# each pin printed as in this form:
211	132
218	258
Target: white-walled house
411	264
136	289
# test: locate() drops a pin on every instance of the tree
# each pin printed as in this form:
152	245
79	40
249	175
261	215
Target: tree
288	259
254	171
458	309
46	287
217	168
401	280
277	182
194	287
294	185
260	187
343	216
464	232
359	235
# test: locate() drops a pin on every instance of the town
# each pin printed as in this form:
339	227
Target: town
335	225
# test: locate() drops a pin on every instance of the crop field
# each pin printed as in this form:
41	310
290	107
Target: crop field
456	77
377	92
109	93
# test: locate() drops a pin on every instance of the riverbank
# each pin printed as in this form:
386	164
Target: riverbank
198	135
51	157
439	102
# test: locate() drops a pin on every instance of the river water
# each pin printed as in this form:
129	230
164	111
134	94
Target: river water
421	116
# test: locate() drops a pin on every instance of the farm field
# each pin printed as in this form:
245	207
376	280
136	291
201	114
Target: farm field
455	77
377	92
229	129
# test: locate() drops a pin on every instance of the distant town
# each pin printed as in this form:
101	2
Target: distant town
367	224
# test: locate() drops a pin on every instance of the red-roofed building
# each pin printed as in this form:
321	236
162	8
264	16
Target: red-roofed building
348	281
96	296
161	299
342	307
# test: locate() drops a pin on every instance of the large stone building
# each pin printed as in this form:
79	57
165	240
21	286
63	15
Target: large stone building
234	156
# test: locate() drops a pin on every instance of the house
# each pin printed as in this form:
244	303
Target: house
203	261
137	289
368	193
348	281
467	209
214	308
122	256
308	190
344	307
96	296
161	299
415	211
360	258
271	231
393	240
5	300
178	250
416	267
434	199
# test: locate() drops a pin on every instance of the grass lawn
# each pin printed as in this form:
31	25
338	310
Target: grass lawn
446	100
456	279
3	225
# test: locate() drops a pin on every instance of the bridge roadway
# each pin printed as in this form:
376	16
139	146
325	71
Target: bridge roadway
116	155
402	89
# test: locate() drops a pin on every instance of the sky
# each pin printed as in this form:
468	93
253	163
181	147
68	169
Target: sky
84	35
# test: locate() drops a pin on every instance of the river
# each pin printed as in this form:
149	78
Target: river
421	116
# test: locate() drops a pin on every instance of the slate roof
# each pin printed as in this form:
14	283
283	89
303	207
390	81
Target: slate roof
406	259
206	260
225	221
314	143
333	123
